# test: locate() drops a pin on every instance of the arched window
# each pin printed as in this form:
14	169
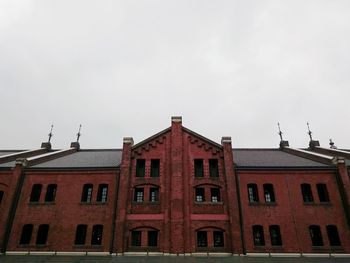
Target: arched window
86	195
36	192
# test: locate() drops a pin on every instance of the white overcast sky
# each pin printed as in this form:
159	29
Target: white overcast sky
123	68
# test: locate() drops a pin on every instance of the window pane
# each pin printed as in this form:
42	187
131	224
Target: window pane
140	167
36	191
213	167
102	193
218	237
97	231
275	235
138	196
87	193
253	193
41	237
1	196
200	194
333	235
307	193
258	235
202	239
322	192
215	195
80	235
155	163
269	193
26	235
152	238
316	236
136	238
198	168
154	194
50	193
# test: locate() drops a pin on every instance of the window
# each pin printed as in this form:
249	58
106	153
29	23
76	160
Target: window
218	238
36	191
316	235
80	235
253	193
275	235
198	168
1	196
102	193
50	193
136	238
140	167
322	192
41	237
202	240
215	195
200	194
307	193
97	231
333	235
155	163
87	193
258	235
213	168
138	196
154	194
269	193
26	235
152	238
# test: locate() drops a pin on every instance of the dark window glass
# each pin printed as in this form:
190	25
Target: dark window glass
152	238
253	193
138	195
140	167
269	193
155	163
198	168
1	196
41	237
322	192
258	235
202	240
26	235
87	193
200	194
50	193
333	235
215	195
307	193
213	168
136	238
218	238
97	231
36	191
275	234
316	235
80	235
102	193
154	194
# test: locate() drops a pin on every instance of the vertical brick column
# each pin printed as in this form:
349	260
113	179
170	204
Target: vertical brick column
176	182
232	200
123	194
344	186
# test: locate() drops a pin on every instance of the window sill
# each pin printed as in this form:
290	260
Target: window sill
318	204
145	203
41	203
32	246
208	203
93	203
262	204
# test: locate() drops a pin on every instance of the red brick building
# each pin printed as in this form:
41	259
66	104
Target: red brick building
175	193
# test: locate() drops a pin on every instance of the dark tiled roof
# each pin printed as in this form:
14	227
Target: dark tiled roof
6	152
85	159
270	158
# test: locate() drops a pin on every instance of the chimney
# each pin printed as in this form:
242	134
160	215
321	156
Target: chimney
313	144
177	119
75	145
46	145
128	140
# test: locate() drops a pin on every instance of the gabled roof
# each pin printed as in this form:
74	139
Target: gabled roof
202	137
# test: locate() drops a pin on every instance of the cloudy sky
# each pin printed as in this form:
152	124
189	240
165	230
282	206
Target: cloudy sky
123	68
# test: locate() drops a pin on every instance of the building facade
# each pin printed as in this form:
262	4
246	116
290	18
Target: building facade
176	192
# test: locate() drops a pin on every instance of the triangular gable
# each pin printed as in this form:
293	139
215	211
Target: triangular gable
200	137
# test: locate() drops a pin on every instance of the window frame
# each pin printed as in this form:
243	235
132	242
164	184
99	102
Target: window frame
221	235
154	194
140	168
199	197
258	235
306	192
35	193
139	194
333	236
275	235
86	195
269	193
322	192
198	168
202	239
150	239
26	234
42	234
316	236
155	168
253	193
214	168
102	193
51	191
82	230
97	235
214	195
136	238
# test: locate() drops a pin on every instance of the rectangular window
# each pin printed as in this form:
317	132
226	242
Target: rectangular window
87	193
258	235
215	195
218	238
333	235
1	196
136	238
198	168
307	193
26	235
154	194
213	168
41	237
140	167
322	192
96	238
202	240
152	238
50	193
200	194
36	191
253	193
269	193
275	235
80	235
155	164
102	193
316	235
138	196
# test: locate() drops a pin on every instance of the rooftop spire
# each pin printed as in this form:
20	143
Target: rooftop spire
309	131
79	134
279	131
331	143
50	134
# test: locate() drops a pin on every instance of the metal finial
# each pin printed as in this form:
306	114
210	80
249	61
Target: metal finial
79	134
279	131
309	131
331	143
50	134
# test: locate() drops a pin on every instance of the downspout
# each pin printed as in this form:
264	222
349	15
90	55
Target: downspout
240	211
116	190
